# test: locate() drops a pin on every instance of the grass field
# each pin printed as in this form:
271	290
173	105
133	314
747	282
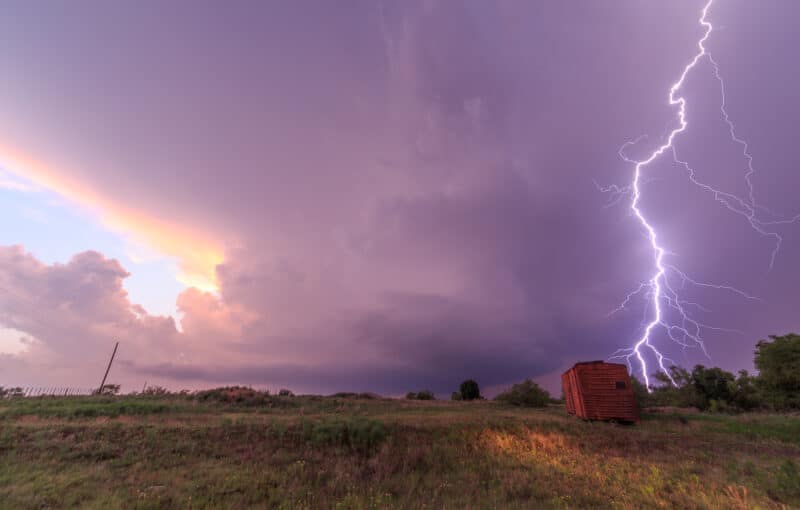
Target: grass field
315	452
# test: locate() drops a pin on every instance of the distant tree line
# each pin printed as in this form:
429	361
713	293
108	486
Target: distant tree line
420	395
776	387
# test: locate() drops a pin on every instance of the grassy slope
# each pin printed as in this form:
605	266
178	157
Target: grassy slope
306	452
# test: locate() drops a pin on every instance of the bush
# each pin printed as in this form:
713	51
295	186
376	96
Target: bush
357	396
243	396
155	391
456	395
109	390
11	392
283	392
470	390
422	395
357	434
525	394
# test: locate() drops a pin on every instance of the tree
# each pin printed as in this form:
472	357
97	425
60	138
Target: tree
470	390
745	392
525	394
681	393
778	362
677	390
643	398
680	375
425	395
777	385
713	385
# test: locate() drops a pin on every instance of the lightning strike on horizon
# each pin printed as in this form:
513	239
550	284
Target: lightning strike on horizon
659	290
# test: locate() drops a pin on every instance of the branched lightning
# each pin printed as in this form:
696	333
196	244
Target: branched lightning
661	291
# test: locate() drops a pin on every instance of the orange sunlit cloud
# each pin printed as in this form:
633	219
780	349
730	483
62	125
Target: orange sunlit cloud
198	255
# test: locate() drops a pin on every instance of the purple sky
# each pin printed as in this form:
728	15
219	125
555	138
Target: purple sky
384	196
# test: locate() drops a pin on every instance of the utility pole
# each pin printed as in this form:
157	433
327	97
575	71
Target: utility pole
100	391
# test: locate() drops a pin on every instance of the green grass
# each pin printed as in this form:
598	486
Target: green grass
777	428
88	407
315	452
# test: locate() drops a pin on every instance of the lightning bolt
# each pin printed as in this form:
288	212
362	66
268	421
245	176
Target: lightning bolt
661	291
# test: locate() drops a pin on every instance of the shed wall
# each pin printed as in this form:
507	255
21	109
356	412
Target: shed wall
591	392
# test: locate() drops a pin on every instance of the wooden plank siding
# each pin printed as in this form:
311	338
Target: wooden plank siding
597	390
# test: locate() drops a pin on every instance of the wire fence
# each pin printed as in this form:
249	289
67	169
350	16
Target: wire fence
44	392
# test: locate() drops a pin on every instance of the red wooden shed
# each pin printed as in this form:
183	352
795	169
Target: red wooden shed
596	390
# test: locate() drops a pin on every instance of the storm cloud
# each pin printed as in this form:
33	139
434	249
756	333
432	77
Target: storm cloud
404	194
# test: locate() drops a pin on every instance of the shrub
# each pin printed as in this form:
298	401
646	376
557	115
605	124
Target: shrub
456	395
525	394
155	391
719	406
422	395
242	396
357	434
357	396
11	392
109	390
470	390
283	392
